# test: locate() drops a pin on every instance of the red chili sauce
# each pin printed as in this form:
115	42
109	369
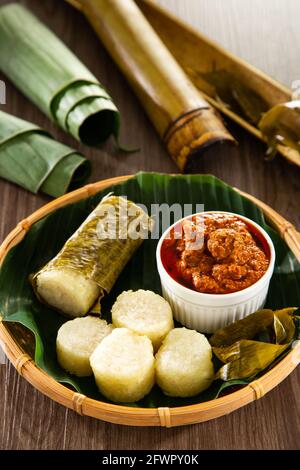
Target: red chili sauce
215	253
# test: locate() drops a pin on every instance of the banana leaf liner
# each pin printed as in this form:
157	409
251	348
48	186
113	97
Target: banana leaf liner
31	158
102	246
52	77
247	347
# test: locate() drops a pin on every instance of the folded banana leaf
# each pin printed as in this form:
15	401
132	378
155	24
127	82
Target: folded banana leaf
30	158
249	346
20	308
50	75
281	125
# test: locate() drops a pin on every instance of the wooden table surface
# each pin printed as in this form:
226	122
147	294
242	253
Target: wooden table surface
265	33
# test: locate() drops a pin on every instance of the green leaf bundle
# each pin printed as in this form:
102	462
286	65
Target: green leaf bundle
51	76
30	158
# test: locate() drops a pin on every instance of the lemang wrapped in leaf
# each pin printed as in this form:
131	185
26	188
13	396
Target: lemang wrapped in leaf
91	260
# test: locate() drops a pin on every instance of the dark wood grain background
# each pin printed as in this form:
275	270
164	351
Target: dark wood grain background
267	34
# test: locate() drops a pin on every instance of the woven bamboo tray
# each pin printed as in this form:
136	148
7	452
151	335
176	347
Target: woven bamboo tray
166	417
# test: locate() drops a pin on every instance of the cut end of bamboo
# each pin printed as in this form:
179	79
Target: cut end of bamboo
195	135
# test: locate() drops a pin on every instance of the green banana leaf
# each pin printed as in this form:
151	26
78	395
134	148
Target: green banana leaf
19	306
30	158
51	76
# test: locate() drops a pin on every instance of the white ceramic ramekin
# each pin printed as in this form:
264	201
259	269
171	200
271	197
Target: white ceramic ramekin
208	312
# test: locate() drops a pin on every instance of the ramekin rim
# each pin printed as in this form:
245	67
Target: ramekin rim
231	295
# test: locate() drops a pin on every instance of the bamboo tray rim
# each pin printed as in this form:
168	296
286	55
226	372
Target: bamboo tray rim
121	414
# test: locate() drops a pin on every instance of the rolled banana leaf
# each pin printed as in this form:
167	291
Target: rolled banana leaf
91	260
249	346
31	158
51	76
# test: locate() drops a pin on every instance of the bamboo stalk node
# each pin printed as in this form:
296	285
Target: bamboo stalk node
21	361
164	417
257	388
77	401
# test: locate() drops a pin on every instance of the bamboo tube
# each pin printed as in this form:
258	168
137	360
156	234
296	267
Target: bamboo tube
200	57
14	340
188	125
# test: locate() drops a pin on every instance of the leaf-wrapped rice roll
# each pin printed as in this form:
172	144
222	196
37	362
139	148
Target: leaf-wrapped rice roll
91	260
